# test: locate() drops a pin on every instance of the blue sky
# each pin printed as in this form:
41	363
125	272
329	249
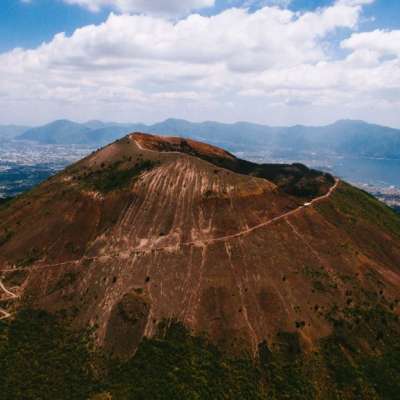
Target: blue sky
27	24
272	61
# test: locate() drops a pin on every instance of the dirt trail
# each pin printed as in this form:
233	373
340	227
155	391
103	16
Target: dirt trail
5	290
269	222
5	314
12	296
155	151
200	242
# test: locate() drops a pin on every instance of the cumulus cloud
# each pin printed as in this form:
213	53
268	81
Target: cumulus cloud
144	6
271	65
379	41
236	38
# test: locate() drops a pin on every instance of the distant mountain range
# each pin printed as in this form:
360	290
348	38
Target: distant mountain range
11	131
65	132
346	137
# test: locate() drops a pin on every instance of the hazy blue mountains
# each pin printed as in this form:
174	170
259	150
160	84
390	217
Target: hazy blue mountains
346	137
59	132
11	131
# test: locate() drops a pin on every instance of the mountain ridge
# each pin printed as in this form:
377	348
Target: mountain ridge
343	137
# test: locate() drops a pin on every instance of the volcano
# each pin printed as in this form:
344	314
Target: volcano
155	231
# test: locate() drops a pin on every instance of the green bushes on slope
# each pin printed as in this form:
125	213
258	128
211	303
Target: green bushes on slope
41	358
359	205
113	177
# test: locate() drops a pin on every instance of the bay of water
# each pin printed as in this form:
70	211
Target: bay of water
377	172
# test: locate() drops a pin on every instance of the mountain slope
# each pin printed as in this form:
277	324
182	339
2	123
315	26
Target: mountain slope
11	131
58	132
108	134
347	137
151	230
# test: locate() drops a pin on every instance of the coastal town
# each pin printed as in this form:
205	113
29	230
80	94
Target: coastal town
389	195
25	164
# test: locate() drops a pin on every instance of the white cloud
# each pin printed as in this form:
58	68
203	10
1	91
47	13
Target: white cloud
265	3
170	7
271	65
240	40
379	41
355	2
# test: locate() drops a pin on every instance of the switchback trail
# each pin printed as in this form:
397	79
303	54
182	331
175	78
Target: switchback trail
5	314
12	296
6	291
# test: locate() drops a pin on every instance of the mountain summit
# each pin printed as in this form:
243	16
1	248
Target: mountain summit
152	230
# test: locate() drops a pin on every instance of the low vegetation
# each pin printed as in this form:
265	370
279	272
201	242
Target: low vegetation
6	202
42	358
6	236
179	366
33	255
113	176
295	179
358	205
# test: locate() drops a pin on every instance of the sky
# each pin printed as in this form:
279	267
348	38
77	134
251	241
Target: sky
278	62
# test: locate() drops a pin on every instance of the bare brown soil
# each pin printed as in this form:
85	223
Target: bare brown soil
232	256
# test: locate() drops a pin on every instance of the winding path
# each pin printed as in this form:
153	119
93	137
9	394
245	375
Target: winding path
6	291
12	296
5	314
201	242
269	222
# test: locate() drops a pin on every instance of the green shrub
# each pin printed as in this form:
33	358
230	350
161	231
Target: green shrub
114	177
6	236
42	359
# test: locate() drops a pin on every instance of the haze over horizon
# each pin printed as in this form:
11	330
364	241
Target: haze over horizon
274	62
201	121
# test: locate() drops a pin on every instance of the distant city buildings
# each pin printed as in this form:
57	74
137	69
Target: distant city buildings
25	164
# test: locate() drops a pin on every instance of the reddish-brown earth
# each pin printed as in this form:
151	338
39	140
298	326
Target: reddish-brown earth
153	228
